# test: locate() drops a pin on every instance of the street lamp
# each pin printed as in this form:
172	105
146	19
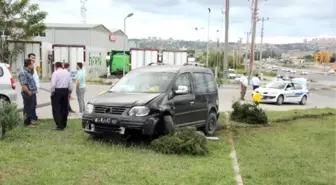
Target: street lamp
197	40
207	56
124	63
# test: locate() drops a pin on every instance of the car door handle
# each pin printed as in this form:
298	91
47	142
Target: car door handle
192	103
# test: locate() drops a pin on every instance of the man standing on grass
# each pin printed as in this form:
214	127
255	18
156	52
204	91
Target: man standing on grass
67	67
28	92
32	58
255	81
243	86
80	87
61	88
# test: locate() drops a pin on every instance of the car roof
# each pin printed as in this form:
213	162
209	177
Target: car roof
173	69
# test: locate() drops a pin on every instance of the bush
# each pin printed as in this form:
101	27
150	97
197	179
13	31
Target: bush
186	141
9	118
248	113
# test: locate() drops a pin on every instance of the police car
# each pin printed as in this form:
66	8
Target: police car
280	92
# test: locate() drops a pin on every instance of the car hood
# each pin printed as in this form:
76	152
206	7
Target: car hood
124	99
268	90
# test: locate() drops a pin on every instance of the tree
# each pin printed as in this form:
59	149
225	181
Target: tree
308	57
19	21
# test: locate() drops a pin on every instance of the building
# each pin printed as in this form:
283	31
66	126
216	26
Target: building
95	35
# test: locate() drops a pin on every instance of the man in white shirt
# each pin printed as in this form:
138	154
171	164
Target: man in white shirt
255	81
243	85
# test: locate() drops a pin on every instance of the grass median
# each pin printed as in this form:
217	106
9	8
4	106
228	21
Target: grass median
42	156
301	151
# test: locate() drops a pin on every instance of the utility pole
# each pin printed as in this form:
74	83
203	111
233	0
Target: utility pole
246	49
197	41
254	25
124	47
225	60
263	19
217	55
207	56
238	50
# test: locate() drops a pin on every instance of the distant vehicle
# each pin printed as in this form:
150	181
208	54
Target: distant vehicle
292	71
304	73
232	74
280	92
7	85
331	72
286	70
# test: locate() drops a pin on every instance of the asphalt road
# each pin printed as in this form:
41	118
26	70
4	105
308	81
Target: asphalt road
227	94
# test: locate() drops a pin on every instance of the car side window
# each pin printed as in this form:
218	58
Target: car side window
290	85
183	80
297	86
1	72
211	84
201	85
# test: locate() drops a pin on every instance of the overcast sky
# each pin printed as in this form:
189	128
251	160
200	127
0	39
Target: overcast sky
289	20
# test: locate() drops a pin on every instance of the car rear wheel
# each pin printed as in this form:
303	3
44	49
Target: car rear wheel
303	100
3	100
280	100
211	125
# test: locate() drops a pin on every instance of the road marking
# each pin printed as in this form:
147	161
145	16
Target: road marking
233	154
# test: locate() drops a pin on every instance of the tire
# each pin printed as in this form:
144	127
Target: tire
3	100
303	100
210	127
169	127
280	100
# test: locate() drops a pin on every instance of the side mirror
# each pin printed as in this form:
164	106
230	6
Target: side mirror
181	90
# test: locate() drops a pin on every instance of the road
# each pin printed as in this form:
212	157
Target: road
227	95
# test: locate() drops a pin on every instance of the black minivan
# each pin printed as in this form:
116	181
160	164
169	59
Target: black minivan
156	100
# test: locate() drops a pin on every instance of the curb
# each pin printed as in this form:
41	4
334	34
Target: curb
233	154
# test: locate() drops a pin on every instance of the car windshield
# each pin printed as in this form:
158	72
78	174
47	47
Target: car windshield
276	85
140	82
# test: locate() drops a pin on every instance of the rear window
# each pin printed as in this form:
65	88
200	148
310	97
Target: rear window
1	72
204	83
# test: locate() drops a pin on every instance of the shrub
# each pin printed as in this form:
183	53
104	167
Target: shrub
185	141
248	113
9	118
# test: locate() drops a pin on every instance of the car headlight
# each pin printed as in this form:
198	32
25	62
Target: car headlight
139	111
89	108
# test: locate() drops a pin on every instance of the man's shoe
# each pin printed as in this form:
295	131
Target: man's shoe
58	129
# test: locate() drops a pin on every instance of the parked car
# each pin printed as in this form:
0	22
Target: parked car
304	73
331	72
283	91
7	85
232	74
155	100
292	71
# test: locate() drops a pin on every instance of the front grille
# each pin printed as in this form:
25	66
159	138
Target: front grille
109	109
106	128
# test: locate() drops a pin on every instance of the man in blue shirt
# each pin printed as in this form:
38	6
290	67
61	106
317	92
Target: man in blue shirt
32	58
80	86
66	66
28	92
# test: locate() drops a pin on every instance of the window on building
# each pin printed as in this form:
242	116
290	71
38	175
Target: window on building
42	34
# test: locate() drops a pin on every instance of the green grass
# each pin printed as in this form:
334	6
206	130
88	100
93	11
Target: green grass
42	156
300	152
